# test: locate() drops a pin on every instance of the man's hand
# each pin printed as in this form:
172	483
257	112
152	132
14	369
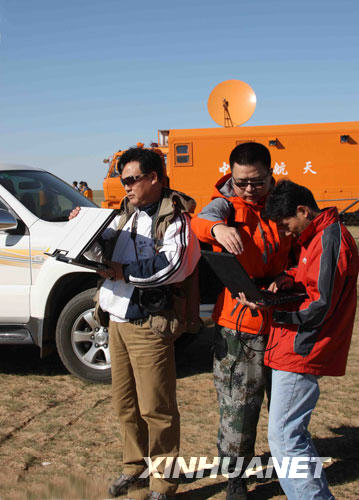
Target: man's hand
74	213
252	305
283	282
113	271
229	238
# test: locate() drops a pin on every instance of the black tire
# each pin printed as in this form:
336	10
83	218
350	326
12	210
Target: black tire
81	342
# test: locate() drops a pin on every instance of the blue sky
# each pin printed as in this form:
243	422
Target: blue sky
80	79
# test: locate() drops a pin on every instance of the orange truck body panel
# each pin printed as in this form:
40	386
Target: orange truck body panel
113	190
324	157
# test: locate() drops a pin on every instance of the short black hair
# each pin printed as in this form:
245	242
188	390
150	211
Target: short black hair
285	198
250	153
75	183
149	160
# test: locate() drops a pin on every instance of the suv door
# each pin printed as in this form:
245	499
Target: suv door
15	273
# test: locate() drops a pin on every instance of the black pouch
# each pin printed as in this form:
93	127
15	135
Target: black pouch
154	300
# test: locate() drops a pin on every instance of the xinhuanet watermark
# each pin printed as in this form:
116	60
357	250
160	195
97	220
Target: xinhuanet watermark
198	467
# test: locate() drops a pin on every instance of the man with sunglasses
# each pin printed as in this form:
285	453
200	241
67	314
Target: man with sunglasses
232	222
154	253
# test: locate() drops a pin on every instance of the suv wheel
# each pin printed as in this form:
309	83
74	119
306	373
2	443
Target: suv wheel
81	342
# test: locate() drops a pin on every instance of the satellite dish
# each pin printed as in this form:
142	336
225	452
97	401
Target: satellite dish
231	103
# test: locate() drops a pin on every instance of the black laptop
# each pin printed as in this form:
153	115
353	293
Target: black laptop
234	277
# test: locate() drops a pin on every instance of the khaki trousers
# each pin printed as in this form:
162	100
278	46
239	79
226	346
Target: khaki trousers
144	397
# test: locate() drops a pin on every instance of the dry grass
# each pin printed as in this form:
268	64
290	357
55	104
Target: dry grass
59	439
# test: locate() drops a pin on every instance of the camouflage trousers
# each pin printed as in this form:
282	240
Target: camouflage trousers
240	379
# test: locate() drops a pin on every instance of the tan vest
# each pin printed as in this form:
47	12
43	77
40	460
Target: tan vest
184	314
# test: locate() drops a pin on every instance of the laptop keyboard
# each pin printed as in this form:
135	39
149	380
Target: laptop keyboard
280	297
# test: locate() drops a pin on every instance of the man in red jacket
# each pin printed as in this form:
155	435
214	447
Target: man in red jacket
311	339
233	221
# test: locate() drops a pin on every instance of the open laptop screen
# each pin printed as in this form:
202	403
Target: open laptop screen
234	277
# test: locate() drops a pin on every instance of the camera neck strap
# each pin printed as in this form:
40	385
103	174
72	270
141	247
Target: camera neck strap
134	232
153	227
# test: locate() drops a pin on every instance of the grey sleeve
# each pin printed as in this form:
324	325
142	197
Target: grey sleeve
218	210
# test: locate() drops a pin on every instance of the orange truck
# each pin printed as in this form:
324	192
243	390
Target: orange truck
322	156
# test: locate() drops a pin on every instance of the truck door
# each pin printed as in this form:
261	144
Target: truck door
15	275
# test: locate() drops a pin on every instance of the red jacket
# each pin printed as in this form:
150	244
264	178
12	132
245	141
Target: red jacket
265	254
314	337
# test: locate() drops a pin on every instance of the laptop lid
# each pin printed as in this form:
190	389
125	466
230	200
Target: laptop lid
232	274
79	234
235	278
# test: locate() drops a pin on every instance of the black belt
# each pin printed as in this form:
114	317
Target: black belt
138	322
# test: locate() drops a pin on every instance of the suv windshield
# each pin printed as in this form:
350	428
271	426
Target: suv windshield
45	195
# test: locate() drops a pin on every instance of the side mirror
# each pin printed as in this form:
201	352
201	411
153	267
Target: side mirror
7	221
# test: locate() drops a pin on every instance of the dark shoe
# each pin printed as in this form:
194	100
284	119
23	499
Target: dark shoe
236	489
121	484
157	496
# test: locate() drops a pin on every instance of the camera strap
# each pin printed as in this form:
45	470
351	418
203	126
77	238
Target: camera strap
150	304
153	227
134	232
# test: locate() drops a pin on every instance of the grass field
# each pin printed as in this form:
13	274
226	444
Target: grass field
59	439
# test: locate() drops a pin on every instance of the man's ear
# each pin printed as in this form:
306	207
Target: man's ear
303	211
154	177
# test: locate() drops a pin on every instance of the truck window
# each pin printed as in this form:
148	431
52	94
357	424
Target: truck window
116	170
183	155
44	194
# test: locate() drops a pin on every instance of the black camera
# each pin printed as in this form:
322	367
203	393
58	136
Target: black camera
154	300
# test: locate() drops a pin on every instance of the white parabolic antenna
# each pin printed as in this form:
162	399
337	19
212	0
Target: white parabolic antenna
231	103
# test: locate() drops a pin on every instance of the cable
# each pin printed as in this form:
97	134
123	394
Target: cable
261	328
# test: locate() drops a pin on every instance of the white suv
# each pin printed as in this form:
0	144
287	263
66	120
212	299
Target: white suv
42	300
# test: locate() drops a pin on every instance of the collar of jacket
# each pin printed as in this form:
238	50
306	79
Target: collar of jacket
321	221
171	201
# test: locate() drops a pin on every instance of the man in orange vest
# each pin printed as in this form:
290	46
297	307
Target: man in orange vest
233	221
86	191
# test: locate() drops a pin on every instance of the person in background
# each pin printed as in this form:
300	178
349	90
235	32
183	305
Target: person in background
75	186
86	191
312	338
233	222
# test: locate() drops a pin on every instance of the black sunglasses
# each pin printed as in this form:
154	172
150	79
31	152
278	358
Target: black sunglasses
129	181
243	183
